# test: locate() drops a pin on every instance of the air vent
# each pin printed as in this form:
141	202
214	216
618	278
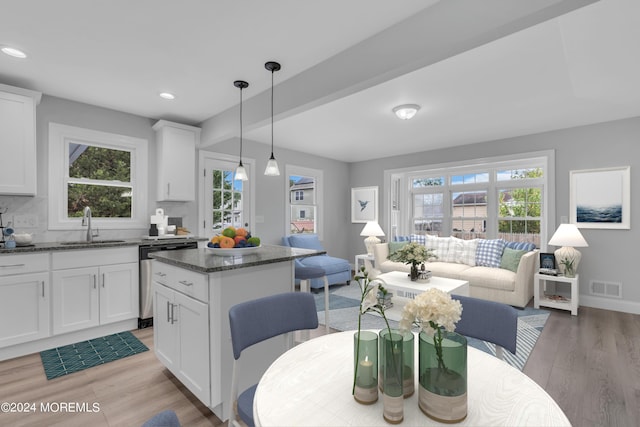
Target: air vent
606	289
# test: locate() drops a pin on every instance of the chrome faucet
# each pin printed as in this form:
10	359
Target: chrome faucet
86	221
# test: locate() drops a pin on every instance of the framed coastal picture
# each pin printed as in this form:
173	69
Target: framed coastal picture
600	198
364	204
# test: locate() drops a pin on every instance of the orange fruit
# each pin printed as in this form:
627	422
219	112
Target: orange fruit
241	232
226	242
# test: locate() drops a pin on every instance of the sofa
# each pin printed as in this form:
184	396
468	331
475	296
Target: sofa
338	270
496	270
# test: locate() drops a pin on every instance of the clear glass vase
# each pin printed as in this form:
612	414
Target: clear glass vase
365	356
443	377
391	366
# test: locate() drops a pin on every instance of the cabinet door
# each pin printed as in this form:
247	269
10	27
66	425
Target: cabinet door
24	308
176	161
75	299
165	334
192	321
17	143
118	292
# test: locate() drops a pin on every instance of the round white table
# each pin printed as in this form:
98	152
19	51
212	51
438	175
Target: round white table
310	385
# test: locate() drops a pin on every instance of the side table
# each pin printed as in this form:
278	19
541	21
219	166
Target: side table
541	299
362	259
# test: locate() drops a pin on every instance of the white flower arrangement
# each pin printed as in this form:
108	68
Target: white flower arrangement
431	310
412	253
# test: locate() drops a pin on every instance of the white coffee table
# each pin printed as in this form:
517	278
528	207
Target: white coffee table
404	289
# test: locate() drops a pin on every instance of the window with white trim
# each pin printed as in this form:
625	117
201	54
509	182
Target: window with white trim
501	199
106	172
304	197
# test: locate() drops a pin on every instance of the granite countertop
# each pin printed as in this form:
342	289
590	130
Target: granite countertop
204	261
97	244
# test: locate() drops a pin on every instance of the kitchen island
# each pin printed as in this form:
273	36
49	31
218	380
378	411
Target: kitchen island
193	291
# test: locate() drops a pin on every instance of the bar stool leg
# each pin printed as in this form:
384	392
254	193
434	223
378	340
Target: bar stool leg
305	286
326	304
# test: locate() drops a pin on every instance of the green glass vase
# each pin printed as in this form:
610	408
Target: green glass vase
391	364
365	365
443	376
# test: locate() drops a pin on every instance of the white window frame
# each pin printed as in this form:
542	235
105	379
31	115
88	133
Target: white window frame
318	176
401	180
59	138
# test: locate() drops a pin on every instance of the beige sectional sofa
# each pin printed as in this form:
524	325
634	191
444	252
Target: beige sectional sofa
490	283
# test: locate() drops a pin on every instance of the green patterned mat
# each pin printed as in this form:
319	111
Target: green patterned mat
87	354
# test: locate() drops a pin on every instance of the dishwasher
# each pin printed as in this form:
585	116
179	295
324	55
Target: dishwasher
145	318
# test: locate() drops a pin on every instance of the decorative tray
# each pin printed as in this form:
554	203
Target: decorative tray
234	251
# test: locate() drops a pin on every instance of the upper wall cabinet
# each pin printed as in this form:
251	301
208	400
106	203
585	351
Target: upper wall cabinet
176	145
18	140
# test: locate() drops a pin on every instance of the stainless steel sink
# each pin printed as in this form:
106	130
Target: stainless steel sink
95	242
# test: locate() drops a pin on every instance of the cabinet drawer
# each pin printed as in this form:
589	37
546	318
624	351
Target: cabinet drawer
94	257
188	282
23	263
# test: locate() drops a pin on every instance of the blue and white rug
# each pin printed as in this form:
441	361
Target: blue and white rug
344	300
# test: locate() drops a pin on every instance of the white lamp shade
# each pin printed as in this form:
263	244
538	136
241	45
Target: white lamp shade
241	173
568	235
272	168
372	229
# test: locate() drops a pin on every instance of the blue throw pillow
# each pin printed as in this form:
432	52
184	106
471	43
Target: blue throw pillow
489	252
305	241
521	246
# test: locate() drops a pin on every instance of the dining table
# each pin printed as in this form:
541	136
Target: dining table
311	384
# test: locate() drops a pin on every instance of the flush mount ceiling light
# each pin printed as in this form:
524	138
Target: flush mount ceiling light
406	111
241	173
167	95
272	166
12	51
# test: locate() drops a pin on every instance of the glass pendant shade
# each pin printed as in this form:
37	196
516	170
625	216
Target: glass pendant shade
241	172
272	165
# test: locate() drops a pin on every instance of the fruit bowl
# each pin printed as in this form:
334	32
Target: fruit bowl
234	251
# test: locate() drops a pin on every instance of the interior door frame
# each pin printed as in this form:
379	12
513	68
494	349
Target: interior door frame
249	164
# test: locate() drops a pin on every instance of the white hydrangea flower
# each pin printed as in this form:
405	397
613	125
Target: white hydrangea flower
431	307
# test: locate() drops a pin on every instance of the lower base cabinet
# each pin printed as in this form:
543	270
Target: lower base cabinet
181	338
24	308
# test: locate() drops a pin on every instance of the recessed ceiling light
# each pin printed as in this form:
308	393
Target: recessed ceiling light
12	51
406	111
167	95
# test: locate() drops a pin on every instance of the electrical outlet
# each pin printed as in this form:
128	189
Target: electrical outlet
25	221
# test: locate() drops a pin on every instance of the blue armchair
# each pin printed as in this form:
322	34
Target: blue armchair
338	269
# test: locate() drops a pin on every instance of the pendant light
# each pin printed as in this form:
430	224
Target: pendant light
272	165
241	173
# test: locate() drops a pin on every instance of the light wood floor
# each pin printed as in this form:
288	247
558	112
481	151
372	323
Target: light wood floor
590	364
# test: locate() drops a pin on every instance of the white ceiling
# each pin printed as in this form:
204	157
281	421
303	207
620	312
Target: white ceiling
335	92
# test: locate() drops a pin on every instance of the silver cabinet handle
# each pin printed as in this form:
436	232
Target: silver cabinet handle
43	289
168	188
184	282
12	265
94	281
173	317
103	277
168	315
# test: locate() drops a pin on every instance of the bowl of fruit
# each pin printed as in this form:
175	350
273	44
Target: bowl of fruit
233	241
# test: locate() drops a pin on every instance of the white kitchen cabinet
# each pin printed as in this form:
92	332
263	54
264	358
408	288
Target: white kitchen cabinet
181	338
24	298
93	287
176	160
18	140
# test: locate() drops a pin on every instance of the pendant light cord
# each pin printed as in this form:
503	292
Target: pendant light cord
272	71
241	126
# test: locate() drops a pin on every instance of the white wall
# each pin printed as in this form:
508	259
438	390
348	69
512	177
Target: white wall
609	255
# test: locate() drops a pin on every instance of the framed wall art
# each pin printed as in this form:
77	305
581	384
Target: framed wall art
364	204
600	198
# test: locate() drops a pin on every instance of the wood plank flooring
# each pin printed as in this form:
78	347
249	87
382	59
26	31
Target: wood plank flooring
590	364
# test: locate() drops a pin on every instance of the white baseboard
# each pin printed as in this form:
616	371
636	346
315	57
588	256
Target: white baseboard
610	304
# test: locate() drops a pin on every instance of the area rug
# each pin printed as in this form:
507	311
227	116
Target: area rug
86	354
343	316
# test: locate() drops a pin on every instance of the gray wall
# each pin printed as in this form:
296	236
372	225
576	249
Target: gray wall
609	255
270	193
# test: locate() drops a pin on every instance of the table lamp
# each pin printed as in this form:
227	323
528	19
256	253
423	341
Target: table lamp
371	230
567	257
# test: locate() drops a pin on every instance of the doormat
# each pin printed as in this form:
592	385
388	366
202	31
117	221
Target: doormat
343	316
87	354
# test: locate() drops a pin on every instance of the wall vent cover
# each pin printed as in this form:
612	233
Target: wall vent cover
606	289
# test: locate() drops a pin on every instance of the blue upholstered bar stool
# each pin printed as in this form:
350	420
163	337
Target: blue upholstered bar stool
305	274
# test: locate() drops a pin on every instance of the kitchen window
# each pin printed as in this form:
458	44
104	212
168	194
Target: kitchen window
104	171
